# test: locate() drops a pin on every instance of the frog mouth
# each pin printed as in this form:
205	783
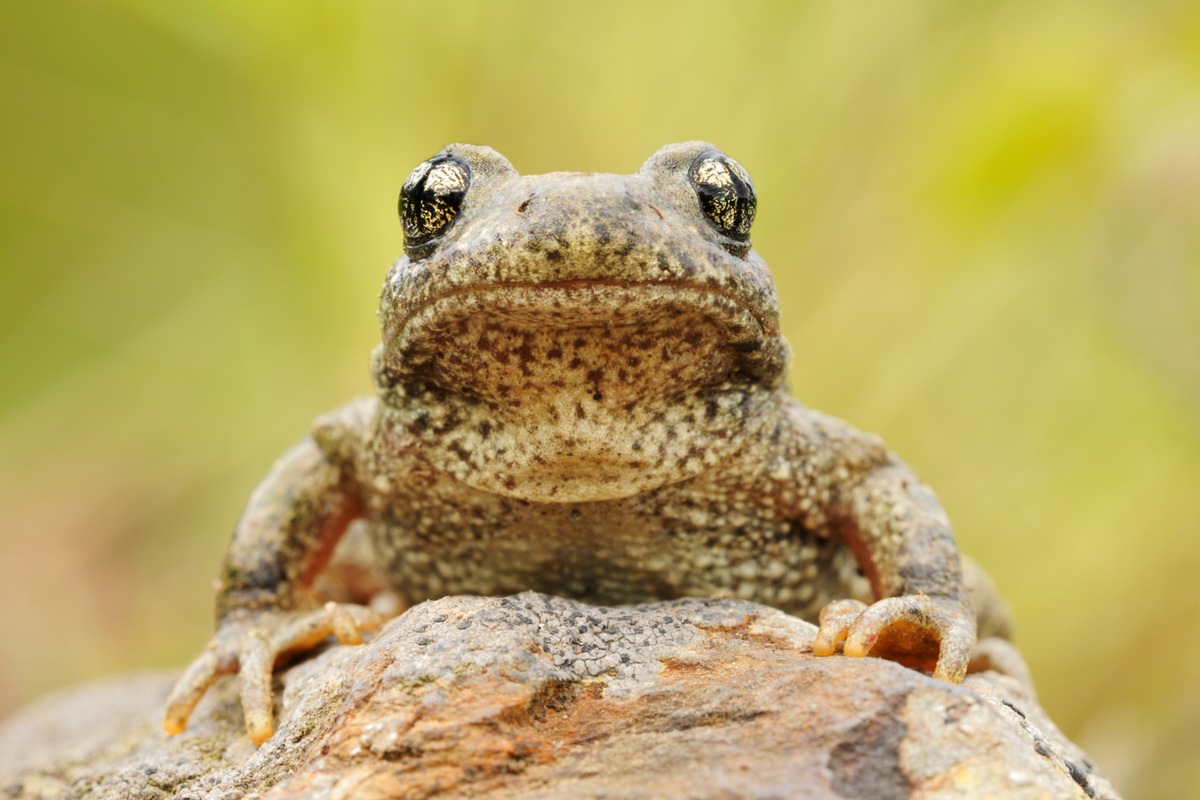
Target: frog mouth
620	340
576	293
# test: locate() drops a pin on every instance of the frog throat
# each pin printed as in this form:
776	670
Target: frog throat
578	392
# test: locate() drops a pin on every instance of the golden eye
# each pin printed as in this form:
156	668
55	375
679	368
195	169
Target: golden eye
726	193
432	197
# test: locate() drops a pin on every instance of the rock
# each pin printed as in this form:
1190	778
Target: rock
539	697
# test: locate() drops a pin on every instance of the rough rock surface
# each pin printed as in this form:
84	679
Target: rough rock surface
538	697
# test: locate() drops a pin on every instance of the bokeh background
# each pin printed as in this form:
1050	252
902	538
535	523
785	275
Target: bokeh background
984	219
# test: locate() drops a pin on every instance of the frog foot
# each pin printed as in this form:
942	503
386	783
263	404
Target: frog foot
251	644
932	634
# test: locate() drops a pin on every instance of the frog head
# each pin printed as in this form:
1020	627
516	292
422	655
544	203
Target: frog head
576	336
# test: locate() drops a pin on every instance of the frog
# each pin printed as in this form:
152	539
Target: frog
580	390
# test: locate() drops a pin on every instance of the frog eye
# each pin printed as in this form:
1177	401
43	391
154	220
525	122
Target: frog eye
726	193
432	197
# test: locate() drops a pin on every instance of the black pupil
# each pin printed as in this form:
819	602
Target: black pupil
726	194
432	197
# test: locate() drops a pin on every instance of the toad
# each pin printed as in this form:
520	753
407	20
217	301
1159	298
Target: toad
580	391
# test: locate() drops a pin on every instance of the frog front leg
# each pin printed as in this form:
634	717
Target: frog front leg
923	616
283	539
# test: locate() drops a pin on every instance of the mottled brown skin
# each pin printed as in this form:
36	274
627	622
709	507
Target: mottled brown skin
581	393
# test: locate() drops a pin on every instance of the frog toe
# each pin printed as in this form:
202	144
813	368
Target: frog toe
191	686
835	622
257	663
344	621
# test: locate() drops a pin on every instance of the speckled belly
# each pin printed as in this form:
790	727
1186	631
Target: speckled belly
659	545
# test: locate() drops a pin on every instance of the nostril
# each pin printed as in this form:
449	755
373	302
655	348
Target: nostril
525	204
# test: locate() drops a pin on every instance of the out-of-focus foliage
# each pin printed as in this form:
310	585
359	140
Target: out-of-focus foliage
984	219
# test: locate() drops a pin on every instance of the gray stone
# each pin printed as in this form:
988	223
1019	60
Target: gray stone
537	697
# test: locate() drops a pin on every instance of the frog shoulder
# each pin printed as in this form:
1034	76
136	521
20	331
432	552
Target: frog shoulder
818	431
340	433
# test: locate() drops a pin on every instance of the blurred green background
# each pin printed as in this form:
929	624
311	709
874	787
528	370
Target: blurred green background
984	219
